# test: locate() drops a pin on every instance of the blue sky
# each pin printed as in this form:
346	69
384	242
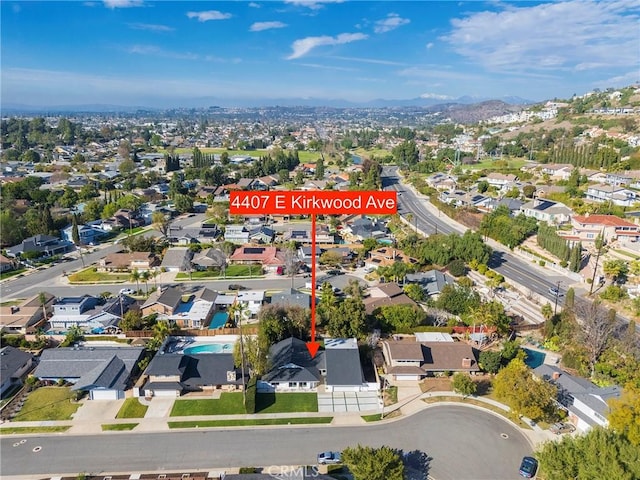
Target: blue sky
134	52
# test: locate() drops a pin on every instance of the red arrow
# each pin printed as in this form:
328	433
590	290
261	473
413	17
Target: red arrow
313	346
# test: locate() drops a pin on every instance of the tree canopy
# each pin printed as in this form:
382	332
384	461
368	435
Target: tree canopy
368	463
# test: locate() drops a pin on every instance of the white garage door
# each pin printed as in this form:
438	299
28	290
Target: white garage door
106	394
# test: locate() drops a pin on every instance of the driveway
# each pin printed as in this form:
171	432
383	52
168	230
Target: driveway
348	401
98	410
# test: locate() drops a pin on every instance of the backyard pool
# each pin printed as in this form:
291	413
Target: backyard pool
218	321
209	348
534	358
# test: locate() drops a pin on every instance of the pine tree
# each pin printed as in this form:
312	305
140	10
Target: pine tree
75	234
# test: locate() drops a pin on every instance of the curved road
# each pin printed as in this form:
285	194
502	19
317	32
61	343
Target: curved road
462	442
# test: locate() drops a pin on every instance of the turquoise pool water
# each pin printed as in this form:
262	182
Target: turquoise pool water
534	358
218	320
209	348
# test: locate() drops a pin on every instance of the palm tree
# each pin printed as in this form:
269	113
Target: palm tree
145	277
42	297
135	277
238	310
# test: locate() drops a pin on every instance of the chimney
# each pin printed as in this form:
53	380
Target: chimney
466	362
555	376
232	376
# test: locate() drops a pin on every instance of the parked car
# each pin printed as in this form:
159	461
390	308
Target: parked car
236	286
554	291
126	291
528	467
335	272
326	458
562	427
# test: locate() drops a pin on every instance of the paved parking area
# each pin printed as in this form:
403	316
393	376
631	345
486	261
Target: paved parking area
348	402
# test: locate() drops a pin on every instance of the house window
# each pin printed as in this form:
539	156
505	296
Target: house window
293	384
303	384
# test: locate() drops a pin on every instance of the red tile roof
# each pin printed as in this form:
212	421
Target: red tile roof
606	220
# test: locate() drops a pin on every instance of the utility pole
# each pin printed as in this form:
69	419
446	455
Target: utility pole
599	242
555	306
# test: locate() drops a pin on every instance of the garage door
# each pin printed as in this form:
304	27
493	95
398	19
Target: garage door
106	394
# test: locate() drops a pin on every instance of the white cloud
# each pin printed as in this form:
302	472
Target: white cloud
159	52
209	15
570	35
369	60
436	96
304	45
429	45
260	26
150	27
254	5
392	22
328	67
311	4
122	3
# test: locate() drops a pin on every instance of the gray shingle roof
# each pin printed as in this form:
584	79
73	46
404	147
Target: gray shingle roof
11	360
291	362
343	367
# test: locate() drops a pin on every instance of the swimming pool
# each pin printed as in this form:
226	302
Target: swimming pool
209	348
534	358
218	321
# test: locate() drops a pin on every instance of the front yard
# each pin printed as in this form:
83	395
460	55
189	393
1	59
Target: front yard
232	271
48	403
132	408
231	404
90	275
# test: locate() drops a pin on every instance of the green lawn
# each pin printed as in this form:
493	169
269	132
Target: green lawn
371	152
12	273
16	430
231	404
253	422
232	271
88	275
10	303
47	403
118	426
132	408
228	404
372	418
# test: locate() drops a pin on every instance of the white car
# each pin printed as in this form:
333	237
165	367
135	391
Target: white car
126	291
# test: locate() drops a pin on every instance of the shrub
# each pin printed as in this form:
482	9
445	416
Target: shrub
482	269
248	470
457	268
542	263
252	391
614	293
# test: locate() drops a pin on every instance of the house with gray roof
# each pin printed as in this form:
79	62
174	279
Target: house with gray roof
291	296
14	364
104	372
209	258
172	374
292	368
343	368
177	259
554	213
585	402
432	282
40	245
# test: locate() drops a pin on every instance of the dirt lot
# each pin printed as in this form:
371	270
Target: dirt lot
437	384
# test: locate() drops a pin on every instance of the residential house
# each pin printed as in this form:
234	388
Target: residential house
408	359
163	301
208	259
7	264
501	181
262	235
585	402
40	246
554	213
236	234
441	181
460	198
128	262
387	256
431	282
292	367
343	368
557	171
615	194
194	310
27	316
89	234
14	364
586	228
314	185
89	314
269	257
177	259
122	219
291	296
172	374
386	294
306	257
104	372
513	204
251	300
363	227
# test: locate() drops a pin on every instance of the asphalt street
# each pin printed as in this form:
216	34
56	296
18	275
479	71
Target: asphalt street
461	442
